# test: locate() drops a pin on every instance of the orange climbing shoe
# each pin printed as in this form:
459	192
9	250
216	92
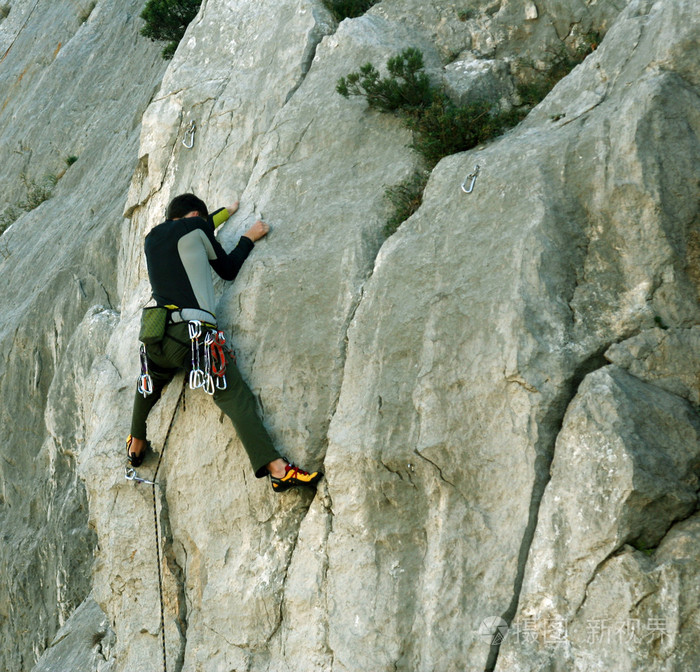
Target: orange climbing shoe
295	477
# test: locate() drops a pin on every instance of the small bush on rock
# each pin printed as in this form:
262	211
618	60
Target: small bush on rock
37	192
407	88
348	9
440	127
405	198
563	61
167	21
445	128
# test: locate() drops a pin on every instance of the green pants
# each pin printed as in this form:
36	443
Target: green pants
173	354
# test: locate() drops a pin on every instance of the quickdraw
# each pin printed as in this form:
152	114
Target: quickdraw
145	385
208	378
188	140
208	358
218	357
472	176
196	372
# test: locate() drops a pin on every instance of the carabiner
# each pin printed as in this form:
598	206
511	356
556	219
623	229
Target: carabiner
190	131
221	382
145	386
208	385
195	329
472	176
196	378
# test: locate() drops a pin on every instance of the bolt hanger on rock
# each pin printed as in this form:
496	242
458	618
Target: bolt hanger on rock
131	475
188	140
471	178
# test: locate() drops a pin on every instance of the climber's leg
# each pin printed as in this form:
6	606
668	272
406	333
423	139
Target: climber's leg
238	403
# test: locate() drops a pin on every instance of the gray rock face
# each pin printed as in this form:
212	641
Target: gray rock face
503	394
666	358
636	450
78	88
82	644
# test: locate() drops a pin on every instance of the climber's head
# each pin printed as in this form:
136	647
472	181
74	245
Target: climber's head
186	204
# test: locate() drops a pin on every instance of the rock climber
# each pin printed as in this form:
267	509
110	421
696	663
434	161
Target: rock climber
180	254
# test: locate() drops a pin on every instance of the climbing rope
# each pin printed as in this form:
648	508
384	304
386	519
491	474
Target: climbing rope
155	524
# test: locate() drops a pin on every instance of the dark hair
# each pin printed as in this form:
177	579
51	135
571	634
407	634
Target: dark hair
184	204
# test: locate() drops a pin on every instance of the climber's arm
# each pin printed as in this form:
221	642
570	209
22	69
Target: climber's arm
227	265
222	214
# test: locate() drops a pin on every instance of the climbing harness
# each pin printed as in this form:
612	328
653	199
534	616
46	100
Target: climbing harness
208	358
190	132
472	176
145	386
207	362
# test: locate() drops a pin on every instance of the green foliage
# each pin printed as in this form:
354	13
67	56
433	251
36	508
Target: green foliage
407	87
439	126
445	128
84	14
70	160
563	61
167	21
348	9
466	14
405	197
8	217
36	193
4	10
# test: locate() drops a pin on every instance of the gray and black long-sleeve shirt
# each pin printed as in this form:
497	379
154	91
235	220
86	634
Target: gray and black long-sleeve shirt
180	255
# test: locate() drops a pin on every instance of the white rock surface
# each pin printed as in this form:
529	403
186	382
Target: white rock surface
428	374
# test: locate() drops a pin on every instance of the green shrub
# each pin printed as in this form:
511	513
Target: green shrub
70	160
407	88
563	61
167	21
348	9
445	128
8	217
405	198
84	14
36	193
439	126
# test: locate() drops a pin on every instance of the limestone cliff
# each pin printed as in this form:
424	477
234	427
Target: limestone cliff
503	394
